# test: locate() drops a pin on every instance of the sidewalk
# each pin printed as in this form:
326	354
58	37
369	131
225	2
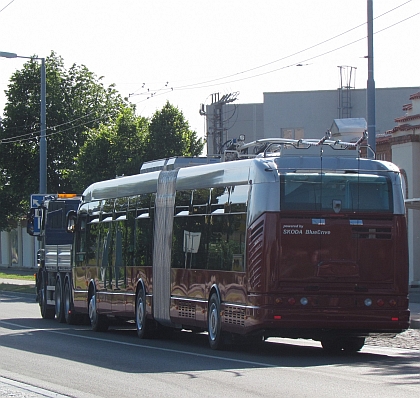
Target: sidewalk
414	303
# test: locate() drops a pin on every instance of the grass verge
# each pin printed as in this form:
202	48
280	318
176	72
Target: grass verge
16	276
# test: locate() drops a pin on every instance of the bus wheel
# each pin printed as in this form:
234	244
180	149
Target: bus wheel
141	315
98	322
69	316
214	323
332	346
47	311
353	344
58	297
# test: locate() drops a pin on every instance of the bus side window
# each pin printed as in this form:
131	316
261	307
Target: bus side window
226	242
143	230
238	199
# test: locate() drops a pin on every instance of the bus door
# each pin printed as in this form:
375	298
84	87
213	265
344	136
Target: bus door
79	268
86	249
118	281
104	284
187	287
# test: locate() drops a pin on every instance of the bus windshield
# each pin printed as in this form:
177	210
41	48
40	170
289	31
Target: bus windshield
333	192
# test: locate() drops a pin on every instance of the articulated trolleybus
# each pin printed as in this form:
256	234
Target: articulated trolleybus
307	239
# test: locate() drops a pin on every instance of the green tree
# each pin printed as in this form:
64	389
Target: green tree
112	150
76	102
121	148
170	135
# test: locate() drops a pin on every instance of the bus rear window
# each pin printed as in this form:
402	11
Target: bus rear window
336	192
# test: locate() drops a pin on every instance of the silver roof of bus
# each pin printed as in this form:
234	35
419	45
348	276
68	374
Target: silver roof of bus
231	173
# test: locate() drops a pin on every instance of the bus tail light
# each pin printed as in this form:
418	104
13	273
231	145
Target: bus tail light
291	301
392	303
380	302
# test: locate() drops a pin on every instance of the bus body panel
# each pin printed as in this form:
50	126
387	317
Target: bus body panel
299	273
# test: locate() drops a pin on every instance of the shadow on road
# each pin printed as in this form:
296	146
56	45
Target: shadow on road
120	349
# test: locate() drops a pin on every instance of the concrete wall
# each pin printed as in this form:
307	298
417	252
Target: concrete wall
238	119
17	248
407	157
314	111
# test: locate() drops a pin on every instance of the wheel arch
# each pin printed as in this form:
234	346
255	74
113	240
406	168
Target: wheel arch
214	290
91	291
140	286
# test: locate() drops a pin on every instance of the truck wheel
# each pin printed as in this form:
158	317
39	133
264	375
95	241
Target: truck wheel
141	315
58	298
68	313
214	323
98	322
47	311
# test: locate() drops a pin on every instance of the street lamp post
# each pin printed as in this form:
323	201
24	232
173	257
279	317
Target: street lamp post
43	138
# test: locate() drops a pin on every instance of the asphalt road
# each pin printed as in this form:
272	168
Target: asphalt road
45	358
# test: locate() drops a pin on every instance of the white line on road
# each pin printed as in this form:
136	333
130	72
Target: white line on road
144	346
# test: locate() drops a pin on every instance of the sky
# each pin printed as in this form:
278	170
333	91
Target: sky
183	51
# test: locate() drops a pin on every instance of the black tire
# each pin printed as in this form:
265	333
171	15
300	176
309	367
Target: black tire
98	322
59	301
214	323
332	346
68	311
47	311
141	320
353	344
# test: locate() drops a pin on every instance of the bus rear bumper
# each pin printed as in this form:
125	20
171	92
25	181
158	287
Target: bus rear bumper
316	324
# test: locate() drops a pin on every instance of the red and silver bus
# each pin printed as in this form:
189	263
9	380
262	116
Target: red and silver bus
305	240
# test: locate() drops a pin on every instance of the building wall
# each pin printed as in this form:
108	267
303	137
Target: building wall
17	248
237	119
407	157
5	249
312	111
315	110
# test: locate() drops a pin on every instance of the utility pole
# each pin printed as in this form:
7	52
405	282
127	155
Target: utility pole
371	100
217	129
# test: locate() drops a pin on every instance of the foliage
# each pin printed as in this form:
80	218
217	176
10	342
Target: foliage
121	148
111	150
92	134
170	135
76	101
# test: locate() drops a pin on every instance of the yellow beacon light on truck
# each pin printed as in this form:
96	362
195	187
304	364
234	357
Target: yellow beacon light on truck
66	195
